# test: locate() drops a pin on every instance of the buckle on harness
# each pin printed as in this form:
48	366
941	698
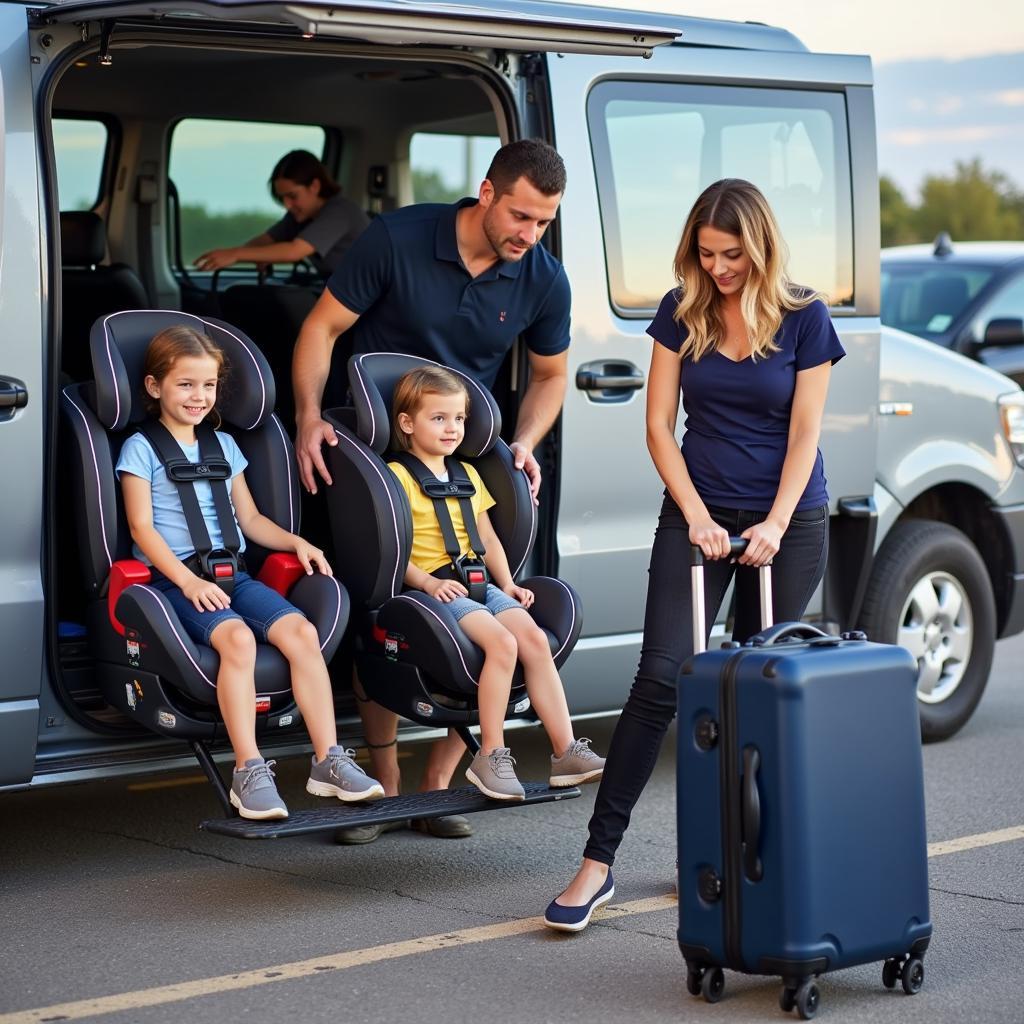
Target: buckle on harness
473	574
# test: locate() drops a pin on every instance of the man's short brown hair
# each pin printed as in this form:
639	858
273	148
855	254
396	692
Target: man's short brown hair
532	159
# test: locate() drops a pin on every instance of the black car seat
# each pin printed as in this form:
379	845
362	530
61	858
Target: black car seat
147	666
411	655
90	288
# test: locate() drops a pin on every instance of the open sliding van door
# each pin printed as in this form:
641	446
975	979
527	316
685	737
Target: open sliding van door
21	409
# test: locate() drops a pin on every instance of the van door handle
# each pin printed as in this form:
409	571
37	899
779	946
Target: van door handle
13	396
609	381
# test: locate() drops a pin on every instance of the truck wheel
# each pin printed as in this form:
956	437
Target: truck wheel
930	592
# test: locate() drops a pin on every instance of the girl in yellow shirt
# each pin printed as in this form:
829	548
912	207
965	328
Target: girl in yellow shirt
429	416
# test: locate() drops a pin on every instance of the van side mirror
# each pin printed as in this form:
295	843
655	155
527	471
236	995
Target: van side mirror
1002	332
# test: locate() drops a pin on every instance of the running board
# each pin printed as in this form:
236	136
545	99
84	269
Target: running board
414	806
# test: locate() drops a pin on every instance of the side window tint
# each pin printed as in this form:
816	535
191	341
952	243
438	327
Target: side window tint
657	145
221	170
80	146
1008	304
447	167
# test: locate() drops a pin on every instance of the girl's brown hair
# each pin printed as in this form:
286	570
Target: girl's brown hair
180	342
303	168
738	208
409	392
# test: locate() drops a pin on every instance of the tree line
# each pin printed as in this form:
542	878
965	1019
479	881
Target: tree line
971	204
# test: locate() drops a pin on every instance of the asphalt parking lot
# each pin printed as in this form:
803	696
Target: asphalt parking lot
113	907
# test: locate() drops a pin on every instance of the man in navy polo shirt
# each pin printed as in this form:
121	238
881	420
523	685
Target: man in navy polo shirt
458	284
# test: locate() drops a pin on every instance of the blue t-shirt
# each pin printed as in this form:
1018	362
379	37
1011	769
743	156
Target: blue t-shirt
737	413
138	458
406	280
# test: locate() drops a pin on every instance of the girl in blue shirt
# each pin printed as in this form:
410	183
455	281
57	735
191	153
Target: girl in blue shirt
183	370
750	353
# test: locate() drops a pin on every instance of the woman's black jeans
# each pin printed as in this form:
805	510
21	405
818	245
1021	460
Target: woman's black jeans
668	642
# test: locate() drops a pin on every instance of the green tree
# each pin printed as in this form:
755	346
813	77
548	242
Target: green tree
897	215
429	187
202	230
973	204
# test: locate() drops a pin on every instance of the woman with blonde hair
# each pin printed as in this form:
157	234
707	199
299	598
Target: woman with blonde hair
751	354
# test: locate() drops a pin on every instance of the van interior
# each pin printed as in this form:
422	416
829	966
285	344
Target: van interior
162	149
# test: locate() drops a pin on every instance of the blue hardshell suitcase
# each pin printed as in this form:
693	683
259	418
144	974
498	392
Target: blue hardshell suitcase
802	845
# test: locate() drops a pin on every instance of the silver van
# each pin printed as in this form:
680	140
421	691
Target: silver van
123	122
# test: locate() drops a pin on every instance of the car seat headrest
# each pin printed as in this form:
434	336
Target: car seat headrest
118	343
372	378
83	239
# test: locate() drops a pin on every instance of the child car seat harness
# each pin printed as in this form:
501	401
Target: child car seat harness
468	569
219	565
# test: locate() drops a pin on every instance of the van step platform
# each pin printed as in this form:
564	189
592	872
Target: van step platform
336	815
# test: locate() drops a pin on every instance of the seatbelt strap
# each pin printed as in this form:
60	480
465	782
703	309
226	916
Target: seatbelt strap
470	568
218	565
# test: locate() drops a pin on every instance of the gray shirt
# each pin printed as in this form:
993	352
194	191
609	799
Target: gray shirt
331	232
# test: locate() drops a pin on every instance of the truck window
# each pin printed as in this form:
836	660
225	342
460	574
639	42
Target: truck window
80	146
221	171
657	145
447	167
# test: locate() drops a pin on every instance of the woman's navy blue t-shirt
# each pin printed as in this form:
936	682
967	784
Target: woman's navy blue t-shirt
737	413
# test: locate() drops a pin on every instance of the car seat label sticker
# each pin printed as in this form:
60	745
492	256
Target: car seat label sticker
285	720
132	646
391	648
130	695
166	720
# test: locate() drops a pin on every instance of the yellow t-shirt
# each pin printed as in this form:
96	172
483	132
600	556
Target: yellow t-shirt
428	551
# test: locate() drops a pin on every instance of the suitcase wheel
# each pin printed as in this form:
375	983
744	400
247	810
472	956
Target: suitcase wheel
694	976
909	972
712	984
807	999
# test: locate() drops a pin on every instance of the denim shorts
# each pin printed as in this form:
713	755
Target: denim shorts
496	602
253	602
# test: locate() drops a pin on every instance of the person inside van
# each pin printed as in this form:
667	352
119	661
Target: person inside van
428	424
459	284
751	355
183	370
319	225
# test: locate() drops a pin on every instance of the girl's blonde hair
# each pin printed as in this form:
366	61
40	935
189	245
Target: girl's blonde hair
738	208
409	393
180	342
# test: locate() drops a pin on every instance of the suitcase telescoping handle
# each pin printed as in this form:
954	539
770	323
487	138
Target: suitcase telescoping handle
737	545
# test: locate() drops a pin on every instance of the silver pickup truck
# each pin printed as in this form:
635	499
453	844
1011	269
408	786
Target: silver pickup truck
923	449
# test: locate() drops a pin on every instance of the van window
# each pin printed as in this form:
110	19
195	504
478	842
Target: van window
221	170
80	146
447	167
657	145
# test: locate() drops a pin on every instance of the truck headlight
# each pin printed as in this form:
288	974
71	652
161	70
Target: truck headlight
1011	415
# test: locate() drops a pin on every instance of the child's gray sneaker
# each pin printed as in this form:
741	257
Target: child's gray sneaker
253	791
338	775
578	764
495	775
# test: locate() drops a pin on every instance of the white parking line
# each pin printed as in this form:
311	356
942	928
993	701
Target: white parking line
389	951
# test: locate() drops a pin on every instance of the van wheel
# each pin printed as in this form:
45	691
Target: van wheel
930	592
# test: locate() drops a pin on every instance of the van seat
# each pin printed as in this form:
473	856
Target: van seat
91	289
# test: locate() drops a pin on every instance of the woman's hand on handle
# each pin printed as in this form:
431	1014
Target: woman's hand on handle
711	538
764	539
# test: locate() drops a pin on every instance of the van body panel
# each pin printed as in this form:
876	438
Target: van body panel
21	430
610	492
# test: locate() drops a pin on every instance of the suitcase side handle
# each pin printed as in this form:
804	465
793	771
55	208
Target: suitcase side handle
751	815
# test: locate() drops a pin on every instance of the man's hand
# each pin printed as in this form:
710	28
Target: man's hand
524	460
309	442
